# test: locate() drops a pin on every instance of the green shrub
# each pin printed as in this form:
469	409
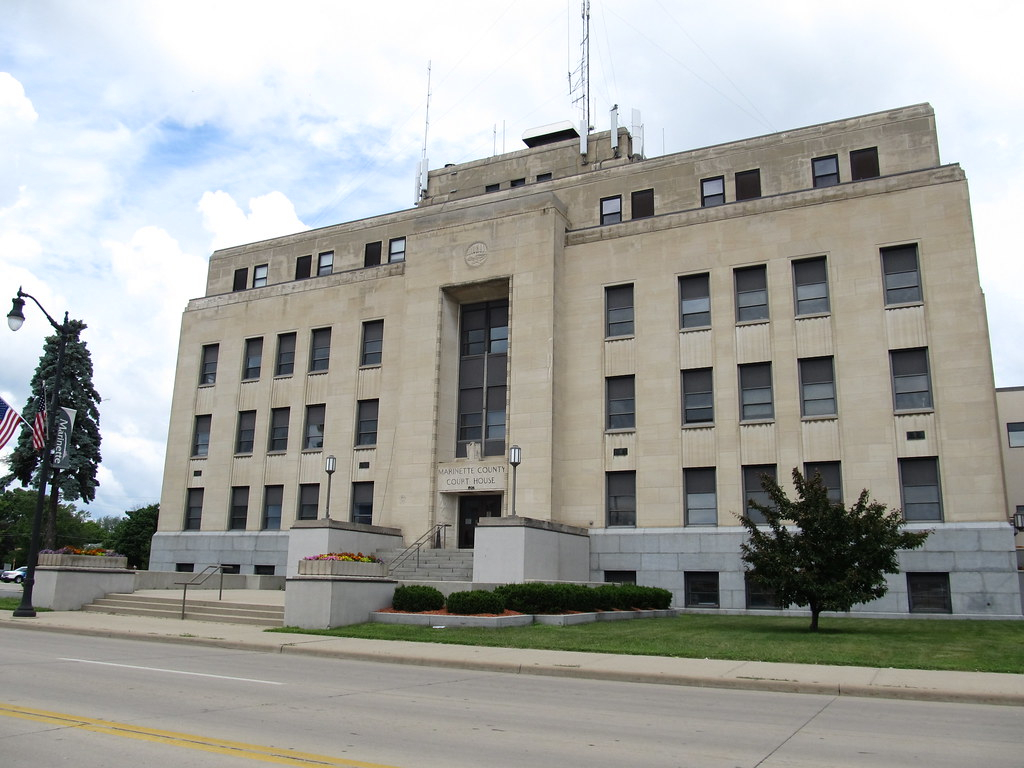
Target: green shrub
475	601
625	597
417	597
529	598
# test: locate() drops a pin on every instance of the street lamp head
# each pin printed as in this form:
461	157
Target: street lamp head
331	465
16	316
515	455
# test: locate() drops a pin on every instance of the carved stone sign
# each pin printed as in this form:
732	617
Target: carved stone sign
454	478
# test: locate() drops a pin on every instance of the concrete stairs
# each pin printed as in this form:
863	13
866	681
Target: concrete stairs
198	610
434	565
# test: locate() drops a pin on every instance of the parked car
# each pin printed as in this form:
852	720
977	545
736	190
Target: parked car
17	575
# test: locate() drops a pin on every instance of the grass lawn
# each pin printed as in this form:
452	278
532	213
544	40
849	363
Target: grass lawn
983	646
11	603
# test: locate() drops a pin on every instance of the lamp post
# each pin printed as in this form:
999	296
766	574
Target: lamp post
1018	521
15	319
515	457
329	467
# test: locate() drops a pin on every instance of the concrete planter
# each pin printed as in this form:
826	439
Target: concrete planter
342	568
451	620
82	561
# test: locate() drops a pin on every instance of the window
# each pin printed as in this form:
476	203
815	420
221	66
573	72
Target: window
362	503
698	396
194	509
246	432
919	483
373	342
701	589
396	249
325	263
184	567
264	570
285	364
201	436
621	402
544	176
911	383
712	192
694	301
253	358
620	495
371	254
754	491
864	163
701	497
239	507
240	279
366	422
618	305
817	387
492	187
642	203
751	293
278	429
273	496
517	183
303	267
314	434
756	392
483	377
826	171
259	275
320	350
810	286
902	275
748	184
929	593
309	501
1015	434
611	210
831	475
208	369
758	595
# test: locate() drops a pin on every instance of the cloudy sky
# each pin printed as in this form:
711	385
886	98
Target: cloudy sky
136	137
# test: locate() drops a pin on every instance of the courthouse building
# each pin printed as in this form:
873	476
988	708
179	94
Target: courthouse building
653	333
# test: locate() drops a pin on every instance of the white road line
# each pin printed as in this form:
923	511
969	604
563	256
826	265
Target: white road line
172	671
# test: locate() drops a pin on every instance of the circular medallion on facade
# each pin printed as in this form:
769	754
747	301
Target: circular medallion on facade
476	254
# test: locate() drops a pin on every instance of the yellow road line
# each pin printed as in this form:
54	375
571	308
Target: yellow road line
218	746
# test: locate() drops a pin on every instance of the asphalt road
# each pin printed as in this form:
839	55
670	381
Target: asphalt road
100	702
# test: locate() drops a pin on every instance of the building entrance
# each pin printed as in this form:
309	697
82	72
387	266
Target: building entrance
471	509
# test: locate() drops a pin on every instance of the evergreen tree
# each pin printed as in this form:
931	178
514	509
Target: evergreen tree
830	558
134	535
77	392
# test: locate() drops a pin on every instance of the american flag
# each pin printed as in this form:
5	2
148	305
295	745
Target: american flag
39	424
9	420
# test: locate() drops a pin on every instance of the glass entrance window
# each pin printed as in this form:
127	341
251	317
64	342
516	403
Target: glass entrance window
483	373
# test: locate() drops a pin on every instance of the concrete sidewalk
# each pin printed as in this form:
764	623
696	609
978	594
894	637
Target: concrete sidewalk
976	687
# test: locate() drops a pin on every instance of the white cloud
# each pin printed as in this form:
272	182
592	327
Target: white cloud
269	215
15	107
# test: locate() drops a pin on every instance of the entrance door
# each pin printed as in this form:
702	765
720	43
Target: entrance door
471	509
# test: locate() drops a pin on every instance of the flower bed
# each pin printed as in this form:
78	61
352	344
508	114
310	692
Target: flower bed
73	557
343	564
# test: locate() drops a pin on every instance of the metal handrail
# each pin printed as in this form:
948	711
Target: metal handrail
200	578
438	529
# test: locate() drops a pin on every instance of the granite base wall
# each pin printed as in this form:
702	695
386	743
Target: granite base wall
247	549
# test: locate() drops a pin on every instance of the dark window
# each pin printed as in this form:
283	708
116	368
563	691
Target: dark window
201	435
831	475
911	383
618	303
320	350
621	402
194	509
259	275
241	280
273	496
184	567
208	369
371	254
366	422
620	577
309	501
698	396
325	263
826	171
285	364
754	491
303	267
701	497
620	494
642	203
611	210
278	429
902	274
362	503
694	301
253	358
712	192
492	187
544	176
817	387
756	392
396	249
483	377
373	342
239	507
919	482
751	293
231	568
864	163
759	596
810	286
314	434
264	570
929	593
517	183
246	432
748	184
701	589
1015	434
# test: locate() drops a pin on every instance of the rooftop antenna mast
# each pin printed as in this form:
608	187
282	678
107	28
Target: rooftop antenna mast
583	84
421	171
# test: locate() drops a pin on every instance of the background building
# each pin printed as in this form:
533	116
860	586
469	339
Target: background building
654	333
